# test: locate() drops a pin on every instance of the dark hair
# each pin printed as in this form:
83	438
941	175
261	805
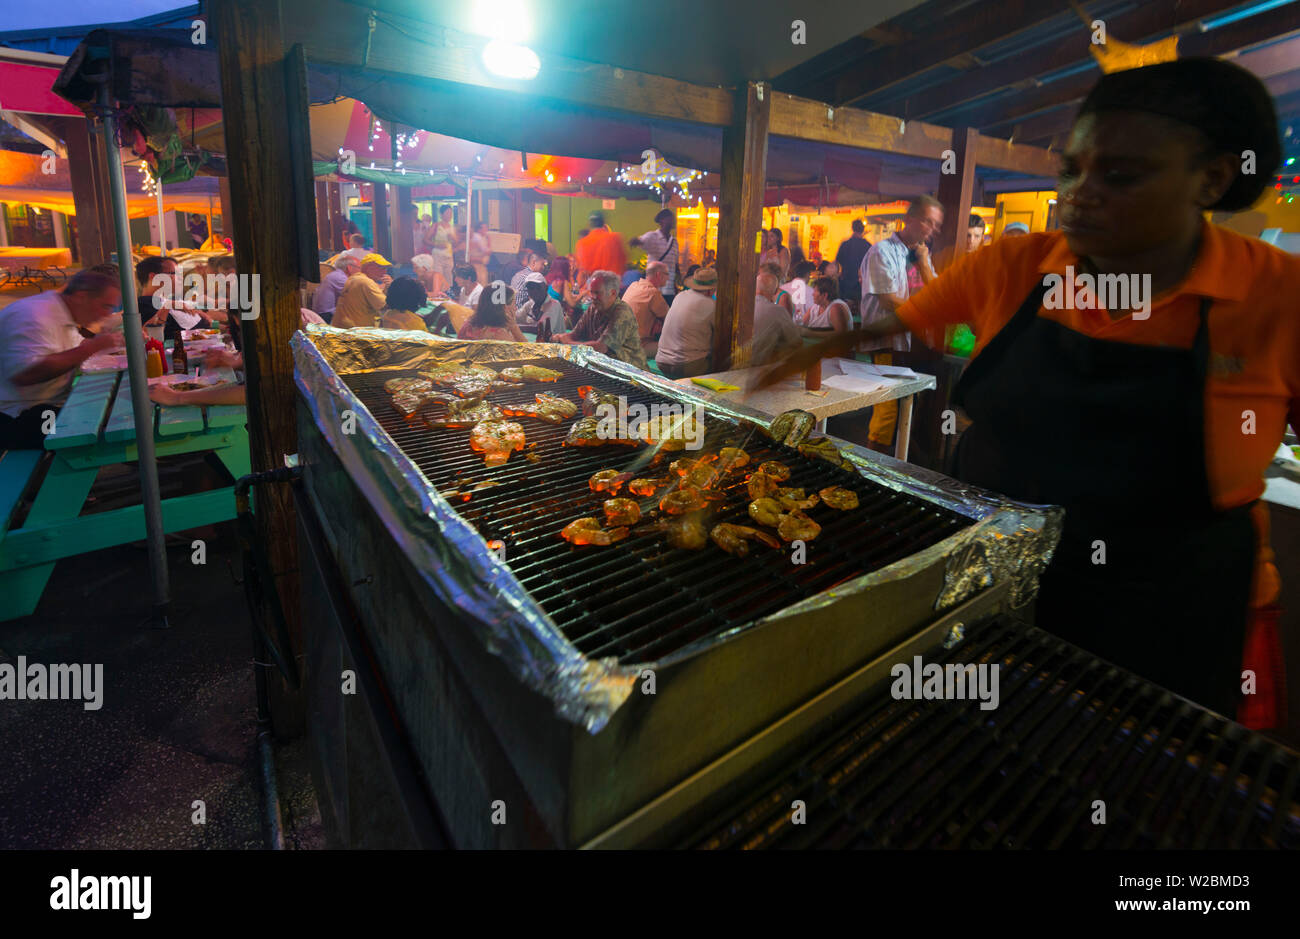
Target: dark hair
406	293
780	238
804	268
464	271
1228	105
597	219
489	312
919	205
691	270
107	268
827	286
150	267
664	213
975	222
858	226
222	262
355	235
522	255
91	281
821	268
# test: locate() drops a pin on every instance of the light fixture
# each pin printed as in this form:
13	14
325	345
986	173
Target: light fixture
511	61
455	169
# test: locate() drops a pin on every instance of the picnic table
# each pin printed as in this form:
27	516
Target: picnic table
96	428
31	266
827	402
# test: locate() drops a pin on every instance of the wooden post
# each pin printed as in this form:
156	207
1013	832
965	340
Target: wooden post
87	186
261	221
956	191
379	207
404	236
324	232
227	206
336	218
740	213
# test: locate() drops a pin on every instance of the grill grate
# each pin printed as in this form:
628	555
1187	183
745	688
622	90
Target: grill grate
640	599
1069	729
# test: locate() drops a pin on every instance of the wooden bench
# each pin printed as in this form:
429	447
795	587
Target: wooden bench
17	471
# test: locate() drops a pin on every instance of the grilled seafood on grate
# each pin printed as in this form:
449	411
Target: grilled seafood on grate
530	373
792	427
467	381
798	527
821	448
760	485
794	499
646	486
686	464
683	499
588	531
732	458
702	476
673	432
464	412
410	394
546	408
607	480
621	512
778	471
591	432
735	539
683	531
592	398
837	497
766	511
496	440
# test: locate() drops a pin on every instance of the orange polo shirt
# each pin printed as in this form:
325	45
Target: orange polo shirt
601	250
1254	325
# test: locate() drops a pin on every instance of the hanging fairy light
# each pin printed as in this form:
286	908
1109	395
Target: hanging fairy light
148	183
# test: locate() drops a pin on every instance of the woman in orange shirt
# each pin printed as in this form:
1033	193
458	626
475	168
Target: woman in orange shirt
1150	416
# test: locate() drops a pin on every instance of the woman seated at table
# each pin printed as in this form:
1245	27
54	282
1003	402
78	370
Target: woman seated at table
559	284
404	297
782	295
800	290
493	320
826	312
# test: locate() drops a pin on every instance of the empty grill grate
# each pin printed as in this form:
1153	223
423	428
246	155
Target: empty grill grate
1069	729
640	599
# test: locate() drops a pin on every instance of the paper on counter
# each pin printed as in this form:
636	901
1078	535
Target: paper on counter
853	384
105	362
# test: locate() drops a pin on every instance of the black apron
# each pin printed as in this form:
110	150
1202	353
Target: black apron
1115	433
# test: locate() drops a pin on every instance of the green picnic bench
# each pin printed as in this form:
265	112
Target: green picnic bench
96	428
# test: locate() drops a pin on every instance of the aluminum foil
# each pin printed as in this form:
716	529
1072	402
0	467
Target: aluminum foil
1008	542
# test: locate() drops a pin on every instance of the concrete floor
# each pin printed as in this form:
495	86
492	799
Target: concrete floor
179	711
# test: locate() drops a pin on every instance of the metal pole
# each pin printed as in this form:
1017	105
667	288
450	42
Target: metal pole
469	214
133	332
162	224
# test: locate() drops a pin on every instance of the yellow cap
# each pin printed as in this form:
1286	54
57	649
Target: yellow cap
373	258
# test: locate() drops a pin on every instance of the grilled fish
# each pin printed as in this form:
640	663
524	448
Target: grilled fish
546	408
593	398
589	432
496	440
530	373
465	412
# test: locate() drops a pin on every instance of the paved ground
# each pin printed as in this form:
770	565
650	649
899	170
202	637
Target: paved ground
179	713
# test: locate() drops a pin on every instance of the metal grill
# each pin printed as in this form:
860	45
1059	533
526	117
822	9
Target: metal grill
1070	729
640	599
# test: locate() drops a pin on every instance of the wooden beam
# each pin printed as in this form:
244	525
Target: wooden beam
853	127
1148	21
261	221
336	217
379	216
977	26
324	232
956	191
744	174
336	32
92	243
404	231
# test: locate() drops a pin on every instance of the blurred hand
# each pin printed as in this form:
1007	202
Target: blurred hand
165	394
922	253
222	358
841	344
386	279
104	342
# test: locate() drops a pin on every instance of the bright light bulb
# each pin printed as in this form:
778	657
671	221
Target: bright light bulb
511	61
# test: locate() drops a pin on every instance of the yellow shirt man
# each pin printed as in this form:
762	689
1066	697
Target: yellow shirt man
361	301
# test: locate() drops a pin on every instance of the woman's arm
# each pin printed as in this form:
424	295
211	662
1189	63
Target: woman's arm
217	394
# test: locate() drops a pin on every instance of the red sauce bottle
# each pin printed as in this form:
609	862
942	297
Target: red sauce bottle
812	379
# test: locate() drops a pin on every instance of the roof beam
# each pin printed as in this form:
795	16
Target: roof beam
1148	20
976	26
334	32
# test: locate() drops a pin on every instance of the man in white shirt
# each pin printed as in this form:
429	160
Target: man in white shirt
686	342
894	269
466	288
661	245
775	334
40	348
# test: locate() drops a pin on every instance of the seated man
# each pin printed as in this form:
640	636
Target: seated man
610	325
646	299
465	288
775	334
40	348
362	300
326	297
687	340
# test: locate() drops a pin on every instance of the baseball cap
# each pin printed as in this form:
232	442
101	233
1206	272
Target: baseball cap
597	219
1016	226
374	258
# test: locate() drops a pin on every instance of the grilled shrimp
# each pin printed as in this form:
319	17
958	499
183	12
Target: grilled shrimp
702	476
765	511
793	500
761	485
837	497
608	480
684	531
686	464
588	531
798	527
734	539
622	512
681	500
646	486
778	471
730	458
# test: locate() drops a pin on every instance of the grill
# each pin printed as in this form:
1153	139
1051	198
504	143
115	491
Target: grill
1069	729
640	599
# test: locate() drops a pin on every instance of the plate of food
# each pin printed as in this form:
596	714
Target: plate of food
189	334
